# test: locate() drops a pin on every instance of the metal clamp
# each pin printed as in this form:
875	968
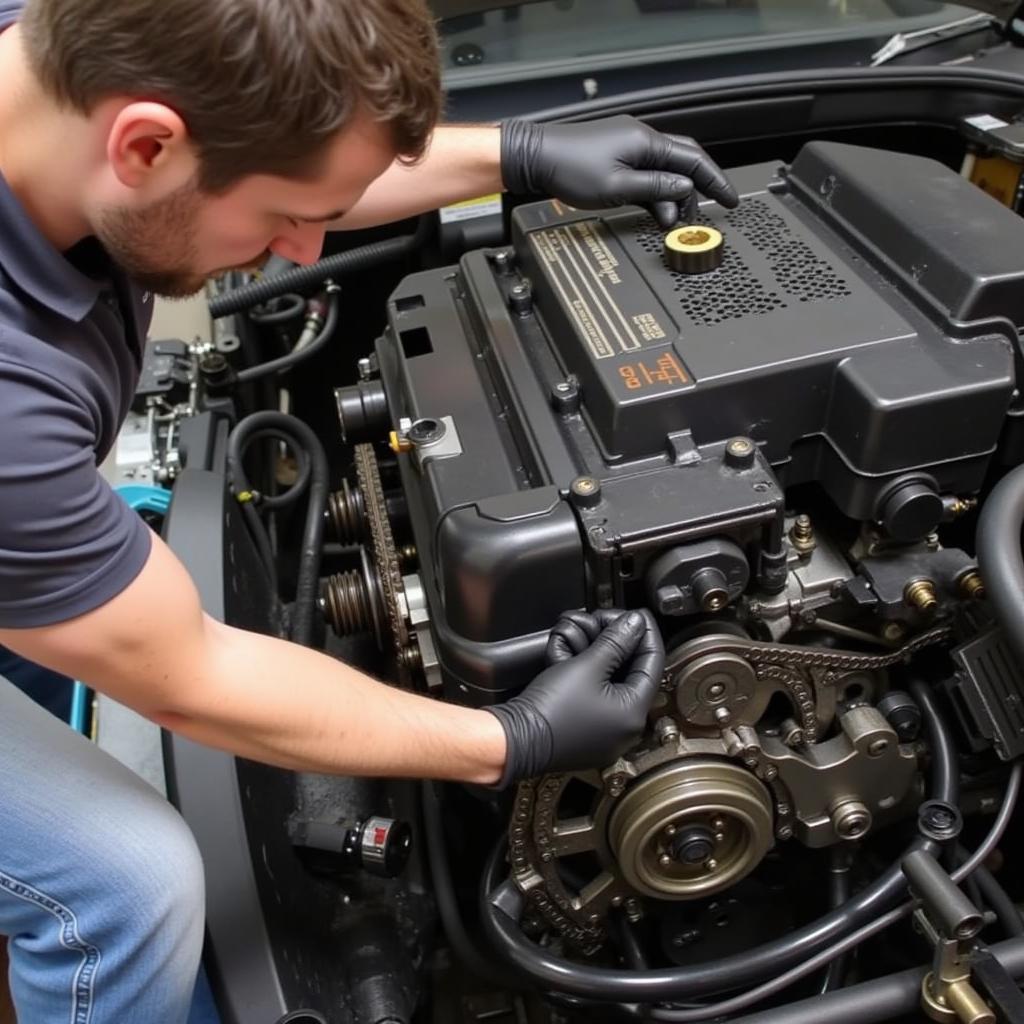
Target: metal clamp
950	922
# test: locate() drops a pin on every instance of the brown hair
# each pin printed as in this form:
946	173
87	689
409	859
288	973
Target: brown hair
262	85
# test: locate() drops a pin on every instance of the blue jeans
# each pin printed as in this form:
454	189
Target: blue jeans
101	883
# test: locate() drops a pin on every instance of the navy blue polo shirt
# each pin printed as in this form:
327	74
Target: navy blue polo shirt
71	331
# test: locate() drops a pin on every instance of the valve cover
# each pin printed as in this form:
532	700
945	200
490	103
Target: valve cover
861	331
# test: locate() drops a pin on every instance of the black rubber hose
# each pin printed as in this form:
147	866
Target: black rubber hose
297	355
1000	559
287	307
888	998
838	894
296	433
303	279
997	898
304	467
944	782
732	972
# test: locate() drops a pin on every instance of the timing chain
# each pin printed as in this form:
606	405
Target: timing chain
758	653
382	541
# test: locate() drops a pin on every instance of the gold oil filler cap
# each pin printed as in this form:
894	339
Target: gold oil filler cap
694	249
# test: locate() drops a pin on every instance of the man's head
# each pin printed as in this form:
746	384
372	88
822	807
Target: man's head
234	127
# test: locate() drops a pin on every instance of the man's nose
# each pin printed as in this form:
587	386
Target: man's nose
303	243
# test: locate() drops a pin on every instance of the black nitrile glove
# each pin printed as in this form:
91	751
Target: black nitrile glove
573	716
608	163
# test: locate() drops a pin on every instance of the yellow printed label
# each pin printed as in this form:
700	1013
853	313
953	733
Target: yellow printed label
468	209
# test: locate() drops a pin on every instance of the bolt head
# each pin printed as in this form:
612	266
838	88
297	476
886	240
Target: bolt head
711	864
786	832
665	860
878	748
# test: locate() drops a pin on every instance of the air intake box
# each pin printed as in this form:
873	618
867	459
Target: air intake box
861	332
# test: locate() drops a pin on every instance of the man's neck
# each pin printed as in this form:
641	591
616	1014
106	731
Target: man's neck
44	150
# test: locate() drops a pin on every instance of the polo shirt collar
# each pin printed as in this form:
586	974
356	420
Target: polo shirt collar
37	267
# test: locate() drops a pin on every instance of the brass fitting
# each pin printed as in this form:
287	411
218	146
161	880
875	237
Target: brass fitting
801	534
920	594
961	506
971	585
954	1001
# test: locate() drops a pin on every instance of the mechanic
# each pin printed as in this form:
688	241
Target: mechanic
143	148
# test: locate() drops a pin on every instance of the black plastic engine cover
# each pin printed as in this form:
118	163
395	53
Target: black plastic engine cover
862	331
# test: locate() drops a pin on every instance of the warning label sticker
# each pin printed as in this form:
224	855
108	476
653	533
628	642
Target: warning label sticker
608	302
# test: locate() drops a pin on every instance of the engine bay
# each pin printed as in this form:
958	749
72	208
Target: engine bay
784	458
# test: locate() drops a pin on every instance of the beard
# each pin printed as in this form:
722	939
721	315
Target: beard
156	245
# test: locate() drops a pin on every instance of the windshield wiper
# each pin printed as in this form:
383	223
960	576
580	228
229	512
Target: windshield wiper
900	42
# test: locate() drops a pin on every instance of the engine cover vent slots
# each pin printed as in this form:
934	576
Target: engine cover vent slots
801	274
729	293
733	291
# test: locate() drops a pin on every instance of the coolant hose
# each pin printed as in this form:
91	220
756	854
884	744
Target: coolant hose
1000	559
500	905
302	439
302	279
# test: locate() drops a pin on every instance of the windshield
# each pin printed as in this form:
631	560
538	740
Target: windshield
490	36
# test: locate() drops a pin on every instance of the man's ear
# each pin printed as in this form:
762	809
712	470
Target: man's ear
147	140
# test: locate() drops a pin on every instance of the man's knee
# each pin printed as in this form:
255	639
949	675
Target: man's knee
154	869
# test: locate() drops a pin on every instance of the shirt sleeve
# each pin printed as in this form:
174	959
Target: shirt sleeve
68	544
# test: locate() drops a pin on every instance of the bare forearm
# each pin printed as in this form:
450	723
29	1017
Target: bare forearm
464	161
286	705
152	648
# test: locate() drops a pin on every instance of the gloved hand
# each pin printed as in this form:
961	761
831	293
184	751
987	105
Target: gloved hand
610	162
573	715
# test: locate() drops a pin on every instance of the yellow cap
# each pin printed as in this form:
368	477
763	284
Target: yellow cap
693	249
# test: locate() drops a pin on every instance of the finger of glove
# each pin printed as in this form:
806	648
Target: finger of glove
604	617
616	644
648	664
572	634
628	185
575	631
666	213
683	156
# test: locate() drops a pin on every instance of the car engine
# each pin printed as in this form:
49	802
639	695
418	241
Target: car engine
779	451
